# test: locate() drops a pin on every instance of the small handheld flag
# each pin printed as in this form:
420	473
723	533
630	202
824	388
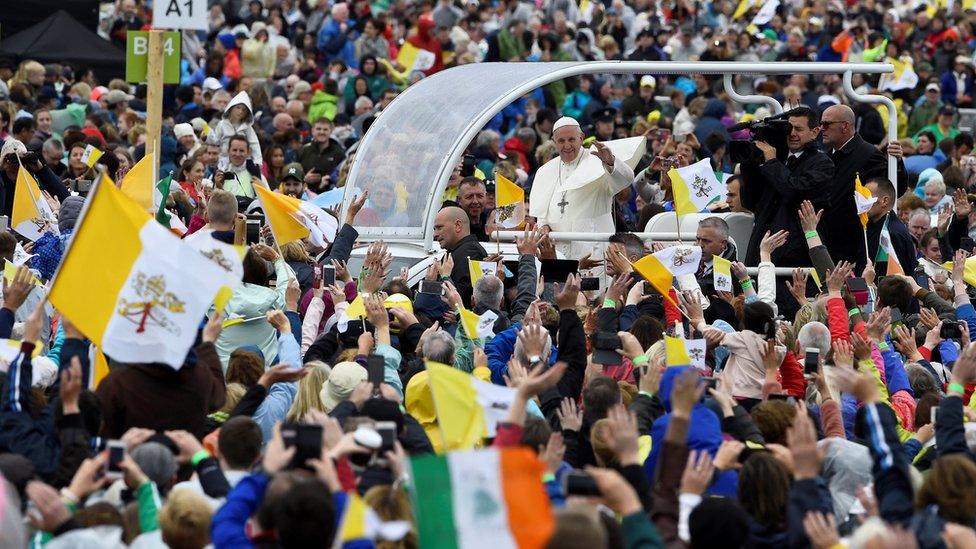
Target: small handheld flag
91	155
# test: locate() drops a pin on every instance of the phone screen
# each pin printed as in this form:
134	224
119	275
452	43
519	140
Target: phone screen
328	275
580	484
387	431
116	453
811	361
432	287
374	371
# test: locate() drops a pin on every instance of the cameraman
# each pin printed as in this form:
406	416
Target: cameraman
47	180
774	189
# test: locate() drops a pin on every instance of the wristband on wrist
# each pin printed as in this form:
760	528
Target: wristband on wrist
957	388
747	283
609	303
883	345
810	234
854	311
69	496
639	360
198	457
548	477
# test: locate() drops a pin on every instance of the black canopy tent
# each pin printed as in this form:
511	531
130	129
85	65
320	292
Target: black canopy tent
62	39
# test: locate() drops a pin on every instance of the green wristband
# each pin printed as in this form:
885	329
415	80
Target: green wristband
639	360
747	283
810	234
957	388
548	477
609	303
198	457
854	311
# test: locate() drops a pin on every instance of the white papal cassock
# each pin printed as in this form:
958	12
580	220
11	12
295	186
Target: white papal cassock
578	196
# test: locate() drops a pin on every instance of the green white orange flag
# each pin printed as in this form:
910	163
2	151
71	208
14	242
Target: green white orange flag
863	200
509	202
661	267
886	252
695	187
492	498
31	215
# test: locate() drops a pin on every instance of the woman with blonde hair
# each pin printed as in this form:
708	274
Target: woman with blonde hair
30	73
296	256
307	396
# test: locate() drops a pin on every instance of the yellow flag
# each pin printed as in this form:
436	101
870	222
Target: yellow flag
278	210
694	187
91	155
138	182
661	267
479	269
10	271
467	408
99	369
356	308
742	8
476	326
863	200
722	274
675	352
816	278
510	202
31	216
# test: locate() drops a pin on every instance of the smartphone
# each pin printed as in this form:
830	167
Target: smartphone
950	330
662	134
4	222
388	434
921	278
934	414
578	483
811	361
779	396
253	224
307	440
966	243
896	318
328	275
374	371
588	283
116	454
317	276
858	287
710	383
432	287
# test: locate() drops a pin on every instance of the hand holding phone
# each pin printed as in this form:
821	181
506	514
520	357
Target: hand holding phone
116	455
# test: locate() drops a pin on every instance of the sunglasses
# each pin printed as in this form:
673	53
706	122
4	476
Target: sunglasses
827	123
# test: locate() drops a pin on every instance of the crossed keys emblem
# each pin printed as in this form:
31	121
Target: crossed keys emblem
701	186
217	256
721	281
507	212
153	302
681	256
696	355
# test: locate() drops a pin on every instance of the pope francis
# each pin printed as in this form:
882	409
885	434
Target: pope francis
574	193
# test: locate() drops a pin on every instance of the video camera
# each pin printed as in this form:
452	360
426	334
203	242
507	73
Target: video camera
774	130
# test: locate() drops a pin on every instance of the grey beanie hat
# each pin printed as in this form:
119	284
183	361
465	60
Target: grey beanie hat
69	212
157	462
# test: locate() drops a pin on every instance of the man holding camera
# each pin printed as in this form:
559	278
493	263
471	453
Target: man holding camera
12	156
775	188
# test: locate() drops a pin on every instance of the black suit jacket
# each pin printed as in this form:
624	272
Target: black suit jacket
840	227
774	192
467	247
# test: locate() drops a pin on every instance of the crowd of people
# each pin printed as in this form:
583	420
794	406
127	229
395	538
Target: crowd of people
833	408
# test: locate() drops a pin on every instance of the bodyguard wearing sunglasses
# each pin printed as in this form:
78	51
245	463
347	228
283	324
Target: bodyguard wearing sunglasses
852	156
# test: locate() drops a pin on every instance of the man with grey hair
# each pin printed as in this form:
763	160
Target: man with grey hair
438	346
713	237
813	334
919	222
52	152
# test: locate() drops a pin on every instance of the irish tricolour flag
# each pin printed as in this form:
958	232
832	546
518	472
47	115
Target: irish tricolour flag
491	498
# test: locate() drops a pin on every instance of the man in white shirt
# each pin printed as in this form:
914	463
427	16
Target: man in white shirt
575	191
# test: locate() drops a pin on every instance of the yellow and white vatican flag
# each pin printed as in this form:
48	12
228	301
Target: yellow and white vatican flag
476	325
722	274
661	267
904	77
91	155
31	215
293	219
131	286
509	202
479	269
227	256
695	187
139	182
863	200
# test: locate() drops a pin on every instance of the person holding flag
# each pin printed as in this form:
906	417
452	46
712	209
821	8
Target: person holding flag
888	238
13	155
774	189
